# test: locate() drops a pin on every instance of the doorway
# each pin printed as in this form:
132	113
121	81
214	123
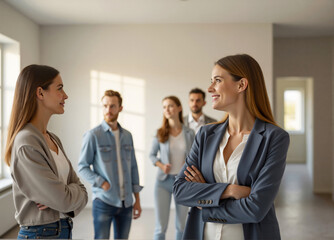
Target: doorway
294	113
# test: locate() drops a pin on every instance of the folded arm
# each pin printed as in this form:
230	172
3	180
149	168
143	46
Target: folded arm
40	184
255	207
196	194
233	208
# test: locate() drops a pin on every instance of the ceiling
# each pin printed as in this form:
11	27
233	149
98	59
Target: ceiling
290	17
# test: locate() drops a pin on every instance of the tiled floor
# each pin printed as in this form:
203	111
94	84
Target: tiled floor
302	215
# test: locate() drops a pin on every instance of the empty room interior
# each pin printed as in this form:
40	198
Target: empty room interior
150	49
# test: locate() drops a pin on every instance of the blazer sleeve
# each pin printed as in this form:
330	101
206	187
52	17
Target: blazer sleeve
154	151
194	194
263	192
40	184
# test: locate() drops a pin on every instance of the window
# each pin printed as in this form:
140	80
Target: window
9	70
294	111
1	138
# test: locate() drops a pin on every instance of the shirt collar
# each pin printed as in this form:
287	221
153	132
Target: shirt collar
191	119
106	127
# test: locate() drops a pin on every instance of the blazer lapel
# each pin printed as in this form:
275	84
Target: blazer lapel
250	151
210	148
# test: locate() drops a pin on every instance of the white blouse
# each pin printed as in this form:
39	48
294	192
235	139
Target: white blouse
63	167
177	152
226	173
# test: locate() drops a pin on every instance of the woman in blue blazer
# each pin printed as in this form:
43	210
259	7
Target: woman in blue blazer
233	171
172	142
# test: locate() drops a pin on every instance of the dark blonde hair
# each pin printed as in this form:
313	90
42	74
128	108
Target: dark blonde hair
163	132
25	101
111	93
257	101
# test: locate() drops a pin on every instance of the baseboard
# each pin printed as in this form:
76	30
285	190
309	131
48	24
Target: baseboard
7	220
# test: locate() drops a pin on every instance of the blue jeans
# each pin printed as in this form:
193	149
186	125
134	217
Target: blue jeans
163	193
104	214
61	229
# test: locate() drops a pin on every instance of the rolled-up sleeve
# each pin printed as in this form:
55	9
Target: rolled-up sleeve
136	188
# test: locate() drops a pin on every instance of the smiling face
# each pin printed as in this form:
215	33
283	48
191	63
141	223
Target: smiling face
224	90
111	108
170	109
54	96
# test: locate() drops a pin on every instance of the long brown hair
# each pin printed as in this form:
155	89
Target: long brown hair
163	132
257	101
25	100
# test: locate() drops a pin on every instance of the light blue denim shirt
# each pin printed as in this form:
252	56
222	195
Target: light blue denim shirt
99	151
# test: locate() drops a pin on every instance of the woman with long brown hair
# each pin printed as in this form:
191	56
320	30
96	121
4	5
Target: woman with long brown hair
46	190
233	171
169	150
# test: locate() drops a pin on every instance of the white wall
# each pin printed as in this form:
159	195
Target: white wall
297	148
147	63
26	33
18	27
312	57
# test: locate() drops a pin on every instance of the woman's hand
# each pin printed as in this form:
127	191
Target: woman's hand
41	207
236	191
166	168
194	175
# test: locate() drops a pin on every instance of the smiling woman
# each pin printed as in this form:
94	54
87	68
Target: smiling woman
169	149
233	171
37	158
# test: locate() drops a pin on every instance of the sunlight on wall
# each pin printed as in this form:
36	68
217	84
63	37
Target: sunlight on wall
132	117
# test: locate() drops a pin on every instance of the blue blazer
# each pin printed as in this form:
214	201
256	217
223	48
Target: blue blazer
163	148
261	167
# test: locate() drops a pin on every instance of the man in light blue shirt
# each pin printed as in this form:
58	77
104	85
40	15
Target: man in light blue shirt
108	162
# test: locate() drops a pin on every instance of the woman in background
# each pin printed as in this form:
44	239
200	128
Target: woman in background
233	171
46	190
173	142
